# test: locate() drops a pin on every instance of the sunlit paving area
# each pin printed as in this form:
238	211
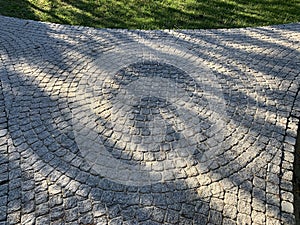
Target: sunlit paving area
115	126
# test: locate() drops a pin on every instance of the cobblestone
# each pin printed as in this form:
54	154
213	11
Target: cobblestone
101	126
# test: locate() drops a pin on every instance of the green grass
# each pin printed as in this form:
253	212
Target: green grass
156	14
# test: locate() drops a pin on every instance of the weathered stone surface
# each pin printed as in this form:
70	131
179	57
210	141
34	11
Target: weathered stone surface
105	126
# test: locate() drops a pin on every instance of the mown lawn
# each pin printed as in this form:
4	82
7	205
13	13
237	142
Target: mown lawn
156	14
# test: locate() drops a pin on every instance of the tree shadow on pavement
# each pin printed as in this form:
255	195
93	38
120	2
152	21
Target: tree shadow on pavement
37	83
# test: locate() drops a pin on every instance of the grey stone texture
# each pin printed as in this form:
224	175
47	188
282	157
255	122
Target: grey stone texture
104	126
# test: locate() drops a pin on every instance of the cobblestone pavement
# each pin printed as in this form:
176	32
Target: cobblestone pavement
147	127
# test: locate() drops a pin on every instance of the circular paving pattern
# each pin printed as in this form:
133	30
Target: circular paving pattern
147	127
148	115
